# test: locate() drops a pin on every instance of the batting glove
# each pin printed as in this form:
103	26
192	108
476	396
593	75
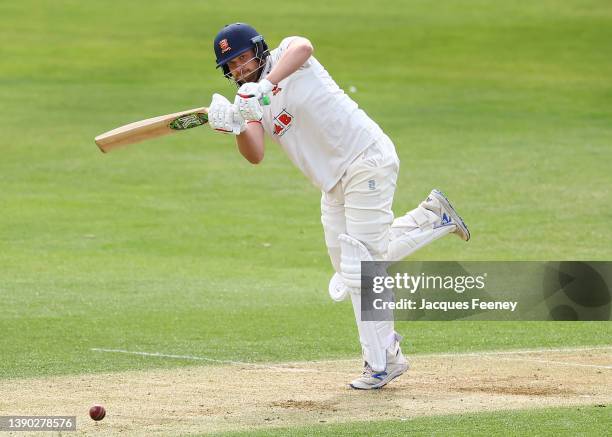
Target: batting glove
250	97
224	117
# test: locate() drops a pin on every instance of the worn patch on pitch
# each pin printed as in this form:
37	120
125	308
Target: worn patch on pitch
239	397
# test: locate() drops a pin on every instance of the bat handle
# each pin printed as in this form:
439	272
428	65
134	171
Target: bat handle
264	100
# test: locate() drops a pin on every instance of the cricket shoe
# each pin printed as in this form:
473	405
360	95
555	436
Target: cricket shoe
397	364
448	215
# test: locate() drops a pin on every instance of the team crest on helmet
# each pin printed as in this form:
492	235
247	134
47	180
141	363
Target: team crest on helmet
224	45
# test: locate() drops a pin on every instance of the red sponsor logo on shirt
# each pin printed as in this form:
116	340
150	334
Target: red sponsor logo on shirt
276	90
282	123
224	45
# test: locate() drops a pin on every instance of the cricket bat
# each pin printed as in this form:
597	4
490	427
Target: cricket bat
151	128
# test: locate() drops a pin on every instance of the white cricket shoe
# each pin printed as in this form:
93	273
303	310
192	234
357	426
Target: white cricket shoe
396	365
447	213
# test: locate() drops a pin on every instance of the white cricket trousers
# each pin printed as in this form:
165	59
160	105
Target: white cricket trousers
360	205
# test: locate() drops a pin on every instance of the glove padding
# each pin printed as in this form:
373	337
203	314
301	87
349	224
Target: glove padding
224	117
249	97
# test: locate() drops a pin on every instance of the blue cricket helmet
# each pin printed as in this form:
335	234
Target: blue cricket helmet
235	39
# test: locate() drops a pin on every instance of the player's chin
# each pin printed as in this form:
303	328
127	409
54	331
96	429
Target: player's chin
251	77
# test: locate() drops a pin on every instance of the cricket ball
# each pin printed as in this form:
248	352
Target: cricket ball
97	412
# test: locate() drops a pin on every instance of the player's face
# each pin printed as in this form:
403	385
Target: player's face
244	68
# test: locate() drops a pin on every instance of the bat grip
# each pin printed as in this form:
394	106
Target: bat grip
264	100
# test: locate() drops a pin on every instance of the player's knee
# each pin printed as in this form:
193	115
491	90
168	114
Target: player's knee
352	253
376	243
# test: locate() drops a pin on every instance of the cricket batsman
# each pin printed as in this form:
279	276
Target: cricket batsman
288	95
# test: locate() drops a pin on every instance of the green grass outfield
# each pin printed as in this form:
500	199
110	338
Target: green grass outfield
179	246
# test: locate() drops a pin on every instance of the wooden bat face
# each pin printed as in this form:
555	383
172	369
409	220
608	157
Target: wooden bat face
151	128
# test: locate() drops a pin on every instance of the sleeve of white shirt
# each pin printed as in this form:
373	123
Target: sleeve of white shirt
282	48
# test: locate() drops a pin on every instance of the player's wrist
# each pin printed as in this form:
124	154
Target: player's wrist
266	86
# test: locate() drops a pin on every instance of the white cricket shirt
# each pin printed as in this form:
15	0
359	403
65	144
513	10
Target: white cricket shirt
321	129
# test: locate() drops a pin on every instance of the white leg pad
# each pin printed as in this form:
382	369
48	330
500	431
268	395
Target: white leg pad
375	337
352	252
338	290
416	229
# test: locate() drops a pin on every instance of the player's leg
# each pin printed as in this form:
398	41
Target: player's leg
369	186
334	224
383	358
434	218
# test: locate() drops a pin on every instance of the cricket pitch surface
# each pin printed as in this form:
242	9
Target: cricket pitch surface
218	398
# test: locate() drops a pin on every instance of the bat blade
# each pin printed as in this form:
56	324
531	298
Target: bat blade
151	128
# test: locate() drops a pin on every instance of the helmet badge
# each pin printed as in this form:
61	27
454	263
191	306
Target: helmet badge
224	46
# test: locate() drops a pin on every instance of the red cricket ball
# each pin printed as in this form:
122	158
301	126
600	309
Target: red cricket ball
97	412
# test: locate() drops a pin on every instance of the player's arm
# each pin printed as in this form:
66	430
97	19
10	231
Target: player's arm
251	142
251	94
297	53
